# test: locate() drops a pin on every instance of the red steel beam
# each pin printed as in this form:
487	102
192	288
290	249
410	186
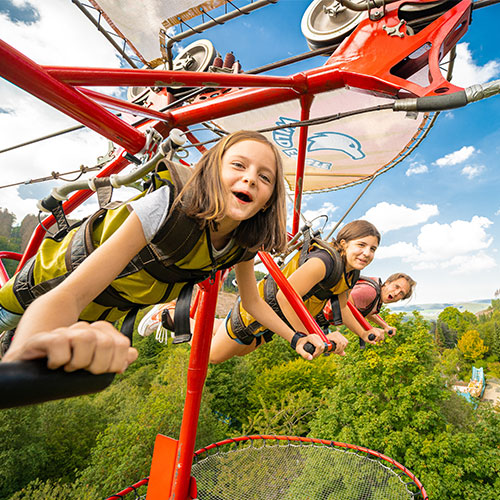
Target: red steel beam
305	101
26	74
293	297
197	372
155	78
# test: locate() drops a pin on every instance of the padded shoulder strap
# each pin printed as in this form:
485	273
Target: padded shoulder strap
322	289
376	284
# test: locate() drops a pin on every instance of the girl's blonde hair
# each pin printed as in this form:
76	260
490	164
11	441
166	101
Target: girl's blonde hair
354	231
204	197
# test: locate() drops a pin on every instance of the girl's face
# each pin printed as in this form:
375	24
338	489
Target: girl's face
359	253
248	172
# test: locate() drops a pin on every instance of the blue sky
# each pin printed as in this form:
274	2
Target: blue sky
438	211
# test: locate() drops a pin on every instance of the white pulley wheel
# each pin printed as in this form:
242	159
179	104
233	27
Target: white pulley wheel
197	56
326	22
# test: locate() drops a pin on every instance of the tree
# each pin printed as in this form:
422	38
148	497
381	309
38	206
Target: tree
7	219
392	398
472	346
28	225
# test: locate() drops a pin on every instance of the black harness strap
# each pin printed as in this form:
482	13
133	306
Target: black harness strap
182	324
245	334
128	323
104	190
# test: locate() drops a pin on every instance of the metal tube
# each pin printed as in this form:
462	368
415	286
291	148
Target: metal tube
75	201
26	74
359	317
293	298
305	101
197	372
157	78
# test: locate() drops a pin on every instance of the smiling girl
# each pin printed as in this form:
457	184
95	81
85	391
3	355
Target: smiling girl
320	271
133	256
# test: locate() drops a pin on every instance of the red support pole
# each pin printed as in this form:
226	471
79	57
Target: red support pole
26	74
156	78
359	317
197	372
4	277
293	297
380	319
305	101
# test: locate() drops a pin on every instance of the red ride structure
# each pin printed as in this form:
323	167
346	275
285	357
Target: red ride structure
355	64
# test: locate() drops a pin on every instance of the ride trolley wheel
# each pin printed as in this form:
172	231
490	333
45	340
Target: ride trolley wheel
326	22
197	56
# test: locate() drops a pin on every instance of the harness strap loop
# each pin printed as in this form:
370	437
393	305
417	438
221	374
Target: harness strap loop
182	325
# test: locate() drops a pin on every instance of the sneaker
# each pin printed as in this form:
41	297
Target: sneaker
152	321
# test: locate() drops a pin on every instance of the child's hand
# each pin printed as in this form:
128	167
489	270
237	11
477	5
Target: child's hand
97	347
316	341
373	336
390	330
340	341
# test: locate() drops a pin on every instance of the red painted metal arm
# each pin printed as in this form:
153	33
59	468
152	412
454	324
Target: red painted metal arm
293	298
26	74
4	277
197	372
124	106
155	78
379	318
305	102
359	317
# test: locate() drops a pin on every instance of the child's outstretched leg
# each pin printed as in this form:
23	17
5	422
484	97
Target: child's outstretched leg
224	347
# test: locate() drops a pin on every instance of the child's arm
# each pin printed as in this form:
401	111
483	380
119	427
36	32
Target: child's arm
48	327
263	313
302	280
350	321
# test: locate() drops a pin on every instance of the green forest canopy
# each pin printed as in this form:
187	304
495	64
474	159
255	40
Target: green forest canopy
393	398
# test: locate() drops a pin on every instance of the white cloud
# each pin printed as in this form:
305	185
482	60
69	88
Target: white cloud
416	168
327	209
401	249
458	247
465	264
387	216
456	157
442	242
466	72
497	212
56	38
451	246
471	171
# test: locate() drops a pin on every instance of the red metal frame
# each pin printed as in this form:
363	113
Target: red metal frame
293	297
4	277
359	317
355	64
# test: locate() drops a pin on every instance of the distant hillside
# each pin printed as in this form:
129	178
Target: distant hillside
431	311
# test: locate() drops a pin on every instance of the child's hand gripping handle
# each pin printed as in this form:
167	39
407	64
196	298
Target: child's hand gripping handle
31	382
297	303
310	347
